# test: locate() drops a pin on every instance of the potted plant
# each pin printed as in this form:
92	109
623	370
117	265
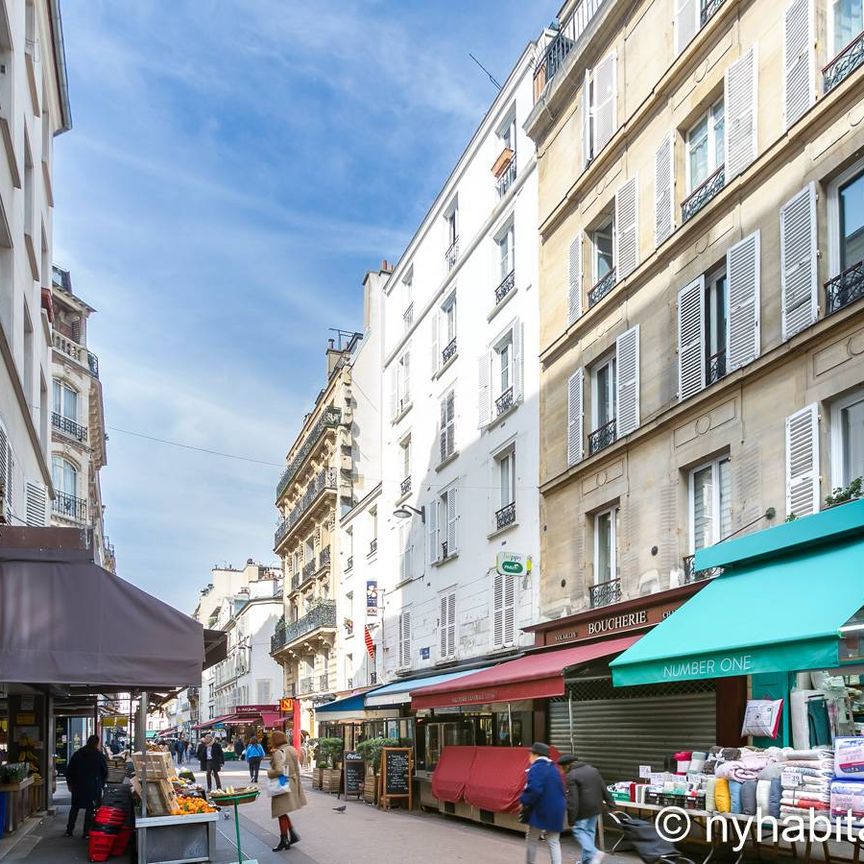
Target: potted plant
329	759
371	751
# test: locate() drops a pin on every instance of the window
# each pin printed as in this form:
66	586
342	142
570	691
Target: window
405	639
448	425
401	394
500	375
309	551
452	235
710	504
448	328
603	395
262	685
507	133
715	325
599	107
705	146
295	562
505	491
441	518
505	252
406	552
373	529
65	400
850	205
504	610
405	448
408	300
847	21
601	249
64	475
349	548
606	546
847	439
447	626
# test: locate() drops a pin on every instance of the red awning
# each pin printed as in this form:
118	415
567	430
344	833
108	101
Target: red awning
497	777
536	676
207	724
451	773
273	718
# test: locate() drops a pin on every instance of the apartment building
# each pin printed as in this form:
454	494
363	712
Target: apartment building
701	192
34	107
78	448
460	413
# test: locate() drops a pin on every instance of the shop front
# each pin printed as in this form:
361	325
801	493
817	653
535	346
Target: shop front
245	721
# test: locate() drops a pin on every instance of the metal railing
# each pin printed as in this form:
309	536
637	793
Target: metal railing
505	287
449	351
691	574
325	479
602	288
306	684
845	288
69	506
323	683
605	593
716	367
703	193
602	437
69	427
77	352
504	402
844	64
706	12
320	616
296	581
329	419
405	486
452	254
373	545
506	515
408	317
309	569
350	562
505	181
324	558
444	549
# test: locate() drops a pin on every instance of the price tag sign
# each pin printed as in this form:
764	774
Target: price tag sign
645	772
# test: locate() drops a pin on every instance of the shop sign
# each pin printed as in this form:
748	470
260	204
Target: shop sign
708	667
512	564
592	624
286	705
372	598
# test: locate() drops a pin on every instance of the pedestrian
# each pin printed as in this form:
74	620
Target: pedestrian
212	759
86	775
254	755
181	749
283	760
265	742
543	804
238	747
586	793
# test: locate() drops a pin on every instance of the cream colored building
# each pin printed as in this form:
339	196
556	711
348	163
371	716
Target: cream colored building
702	327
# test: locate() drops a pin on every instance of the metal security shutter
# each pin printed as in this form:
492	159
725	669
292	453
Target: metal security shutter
617	729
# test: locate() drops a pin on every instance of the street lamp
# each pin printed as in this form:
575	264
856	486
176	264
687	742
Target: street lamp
406	511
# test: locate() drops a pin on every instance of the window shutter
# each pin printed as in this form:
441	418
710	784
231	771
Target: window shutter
451	625
433	548
405	639
450	403
443	622
605	118
498	611
517	360
5	501
451	521
742	323
484	399
626	228
433	324
798	81
740	105
394	389
686	23
691	339
798	263
664	195
587	155
575	417
509	610
627	384
802	462
406	379
574	280
37	505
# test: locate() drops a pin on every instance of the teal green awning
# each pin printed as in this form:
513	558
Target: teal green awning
778	607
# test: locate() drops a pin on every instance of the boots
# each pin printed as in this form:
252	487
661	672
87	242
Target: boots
295	837
284	843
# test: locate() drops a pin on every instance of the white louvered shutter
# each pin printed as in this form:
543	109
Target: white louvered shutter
742	323
518	381
575	417
452	516
498	611
664	189
691	339
740	106
605	102
509	610
434	320
686	23
587	120
433	547
574	280
799	68
442	627
4	478
799	303
802	462
627	384
405	639
484	396
451	625
37	504
626	228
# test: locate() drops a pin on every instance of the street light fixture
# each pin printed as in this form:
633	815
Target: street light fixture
406	511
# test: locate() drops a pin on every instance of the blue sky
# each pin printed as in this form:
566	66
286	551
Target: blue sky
233	171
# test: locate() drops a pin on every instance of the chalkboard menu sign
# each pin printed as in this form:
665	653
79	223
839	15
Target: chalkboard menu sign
354	773
396	771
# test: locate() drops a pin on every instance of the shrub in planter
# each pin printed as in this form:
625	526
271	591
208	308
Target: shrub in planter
329	752
371	750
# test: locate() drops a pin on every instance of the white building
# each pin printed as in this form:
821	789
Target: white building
34	107
460	419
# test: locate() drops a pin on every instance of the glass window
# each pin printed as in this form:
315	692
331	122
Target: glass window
64	476
705	146
604	393
603	244
848	20
507	478
847	424
450	319
851	198
711	504
505	253
505	360
605	546
715	325
508	134
406	457
65	401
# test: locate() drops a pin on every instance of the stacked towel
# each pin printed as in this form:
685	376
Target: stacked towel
722	800
735	796
763	797
847	796
806	782
748	797
710	803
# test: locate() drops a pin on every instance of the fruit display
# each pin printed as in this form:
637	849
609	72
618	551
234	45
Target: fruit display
189	805
235	790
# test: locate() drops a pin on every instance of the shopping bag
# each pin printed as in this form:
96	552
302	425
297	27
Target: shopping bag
277	785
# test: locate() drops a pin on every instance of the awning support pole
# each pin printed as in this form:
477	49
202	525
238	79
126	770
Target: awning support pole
510	724
570	715
141	733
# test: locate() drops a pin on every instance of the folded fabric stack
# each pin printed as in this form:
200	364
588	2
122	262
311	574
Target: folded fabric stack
847	797
806	782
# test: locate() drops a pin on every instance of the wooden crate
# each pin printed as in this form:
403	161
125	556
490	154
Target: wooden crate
370	789
159	766
331	780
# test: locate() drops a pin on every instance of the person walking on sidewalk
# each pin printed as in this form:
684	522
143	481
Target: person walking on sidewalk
586	793
543	804
283	760
238	747
212	759
86	775
254	755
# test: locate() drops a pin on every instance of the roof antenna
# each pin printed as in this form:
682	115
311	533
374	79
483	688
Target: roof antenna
488	73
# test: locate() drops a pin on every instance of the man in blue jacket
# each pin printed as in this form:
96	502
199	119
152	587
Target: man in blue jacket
543	804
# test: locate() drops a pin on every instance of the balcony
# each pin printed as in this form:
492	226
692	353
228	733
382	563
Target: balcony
329	419
349	563
451	255
408	317
71	349
69	507
601	438
507	177
506	286
845	288
325	480
323	683
716	368
707	10
701	195
449	351
691	574
373	545
405	486
605	593
321	616
844	64
324	558
602	288
309	569
69	427
504	402
505	516
295	581
306	685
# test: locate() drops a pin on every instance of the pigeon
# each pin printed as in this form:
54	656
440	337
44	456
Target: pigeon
341	809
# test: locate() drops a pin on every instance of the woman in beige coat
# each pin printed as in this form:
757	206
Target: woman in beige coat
283	760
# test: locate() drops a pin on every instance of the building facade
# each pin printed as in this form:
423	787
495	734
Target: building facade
34	107
701	277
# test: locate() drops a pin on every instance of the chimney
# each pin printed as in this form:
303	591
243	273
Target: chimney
334	354
386	266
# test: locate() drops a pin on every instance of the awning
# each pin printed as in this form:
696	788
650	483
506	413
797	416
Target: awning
209	724
65	620
356	702
778	606
535	676
399	692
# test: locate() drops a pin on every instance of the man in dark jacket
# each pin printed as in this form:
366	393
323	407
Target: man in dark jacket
586	793
543	804
212	759
86	775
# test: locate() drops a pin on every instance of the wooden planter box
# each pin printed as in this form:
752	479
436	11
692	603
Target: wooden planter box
502	162
316	777
331	779
370	789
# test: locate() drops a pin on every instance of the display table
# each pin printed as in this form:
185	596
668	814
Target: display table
18	802
176	839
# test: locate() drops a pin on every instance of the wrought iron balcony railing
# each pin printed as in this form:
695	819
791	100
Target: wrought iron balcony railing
69	427
69	506
504	402
323	683
321	616
602	288
605	593
325	479
452	254
408	317
709	7
296	581
330	418
845	288
702	194
405	486
505	287
505	181
449	351
844	64
444	549
716	367
691	574
309	569
306	684
506	515
324	558
373	545
602	437
349	563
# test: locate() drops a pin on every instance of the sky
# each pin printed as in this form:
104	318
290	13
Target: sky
233	170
